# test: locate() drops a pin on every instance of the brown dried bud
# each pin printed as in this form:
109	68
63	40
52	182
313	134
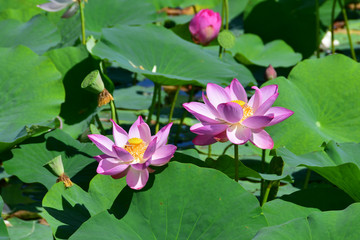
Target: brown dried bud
104	97
66	180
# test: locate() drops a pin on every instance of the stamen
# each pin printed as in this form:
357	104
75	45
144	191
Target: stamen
136	147
247	110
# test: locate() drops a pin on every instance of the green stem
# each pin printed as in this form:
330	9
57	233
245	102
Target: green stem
194	8
209	151
153	102
223	17
226	2
157	126
191	95
266	194
332	26
307	179
97	119
262	182
343	10
174	103
113	112
236	157
82	19
227	147
317	28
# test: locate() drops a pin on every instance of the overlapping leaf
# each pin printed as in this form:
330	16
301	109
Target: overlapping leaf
31	94
249	49
67	209
38	151
75	63
39	34
339	163
324	96
318	225
165	58
175	204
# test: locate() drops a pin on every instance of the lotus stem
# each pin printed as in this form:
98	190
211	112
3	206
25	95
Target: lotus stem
266	194
317	28
209	151
226	148
113	112
153	102
332	26
191	95
97	119
82	19
226	3
236	157
307	179
173	103
158	109
343	10
262	182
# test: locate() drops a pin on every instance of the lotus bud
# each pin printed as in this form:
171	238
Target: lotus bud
95	84
205	26
56	167
270	73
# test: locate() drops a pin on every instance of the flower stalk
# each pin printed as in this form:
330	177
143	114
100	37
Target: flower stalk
113	111
307	179
153	103
266	194
191	95
317	14
173	103
236	157
82	19
343	10
332	26
157	126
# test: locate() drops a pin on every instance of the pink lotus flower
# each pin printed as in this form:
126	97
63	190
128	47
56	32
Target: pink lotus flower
205	26
58	5
226	114
133	153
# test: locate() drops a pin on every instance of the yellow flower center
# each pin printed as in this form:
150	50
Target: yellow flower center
136	147
247	110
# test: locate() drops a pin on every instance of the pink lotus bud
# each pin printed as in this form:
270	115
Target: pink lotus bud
205	26
270	73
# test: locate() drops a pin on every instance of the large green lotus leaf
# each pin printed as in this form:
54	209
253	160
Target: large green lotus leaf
74	63
3	231
318	225
69	28
38	34
28	230
31	94
338	163
178	204
279	211
38	151
323	93
289	20
165	58
67	209
249	49
101	14
22	10
141	97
